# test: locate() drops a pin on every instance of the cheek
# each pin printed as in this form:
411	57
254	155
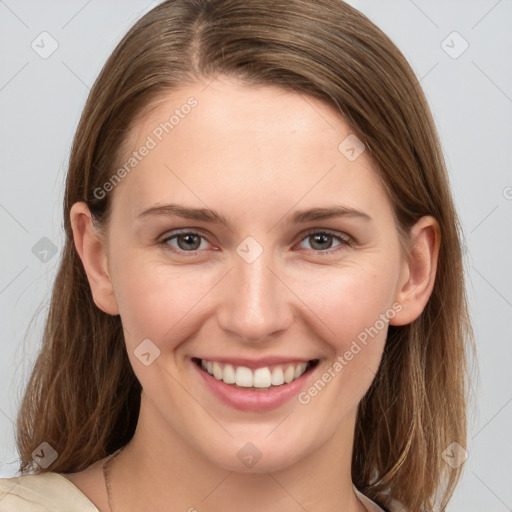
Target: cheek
349	300
158	301
353	306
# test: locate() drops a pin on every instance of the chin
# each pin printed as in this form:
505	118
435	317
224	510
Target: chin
242	455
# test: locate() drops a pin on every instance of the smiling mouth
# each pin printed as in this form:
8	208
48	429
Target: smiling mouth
258	379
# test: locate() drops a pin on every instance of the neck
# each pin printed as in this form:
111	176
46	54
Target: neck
158	467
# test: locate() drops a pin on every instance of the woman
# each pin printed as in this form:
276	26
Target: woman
260	303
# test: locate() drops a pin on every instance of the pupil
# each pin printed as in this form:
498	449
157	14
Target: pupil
320	236
189	240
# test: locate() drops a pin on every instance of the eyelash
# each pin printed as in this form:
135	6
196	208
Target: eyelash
345	242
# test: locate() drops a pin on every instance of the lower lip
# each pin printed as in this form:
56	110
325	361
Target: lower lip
254	400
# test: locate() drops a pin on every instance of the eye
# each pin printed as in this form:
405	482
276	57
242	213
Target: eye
190	242
321	241
187	242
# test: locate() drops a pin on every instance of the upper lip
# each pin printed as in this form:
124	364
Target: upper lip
257	363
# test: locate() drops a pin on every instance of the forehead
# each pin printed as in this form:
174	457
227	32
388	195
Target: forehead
226	141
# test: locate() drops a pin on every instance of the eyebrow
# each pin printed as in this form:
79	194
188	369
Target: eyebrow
208	215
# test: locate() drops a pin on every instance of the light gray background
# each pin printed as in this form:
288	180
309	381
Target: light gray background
471	99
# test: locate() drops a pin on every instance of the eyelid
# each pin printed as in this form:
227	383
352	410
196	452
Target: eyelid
183	231
332	232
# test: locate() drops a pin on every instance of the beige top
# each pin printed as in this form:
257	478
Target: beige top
52	492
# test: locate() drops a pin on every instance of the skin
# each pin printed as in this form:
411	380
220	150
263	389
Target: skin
256	155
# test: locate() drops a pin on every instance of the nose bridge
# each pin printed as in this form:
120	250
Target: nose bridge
255	301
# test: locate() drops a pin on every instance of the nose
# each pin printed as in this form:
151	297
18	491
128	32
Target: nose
256	304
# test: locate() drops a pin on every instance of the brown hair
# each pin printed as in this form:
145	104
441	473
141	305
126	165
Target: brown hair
83	397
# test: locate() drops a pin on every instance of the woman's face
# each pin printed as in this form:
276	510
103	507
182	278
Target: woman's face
233	274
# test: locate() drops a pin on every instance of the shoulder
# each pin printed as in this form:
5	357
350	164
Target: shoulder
44	492
371	506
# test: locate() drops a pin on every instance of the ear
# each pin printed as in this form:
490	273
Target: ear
91	249
419	270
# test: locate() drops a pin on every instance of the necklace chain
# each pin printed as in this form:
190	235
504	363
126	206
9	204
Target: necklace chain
106	477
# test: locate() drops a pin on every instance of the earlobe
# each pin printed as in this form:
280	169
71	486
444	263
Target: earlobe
91	249
419	271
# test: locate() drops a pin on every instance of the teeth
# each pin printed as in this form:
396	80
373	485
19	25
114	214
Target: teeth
277	376
243	377
228	375
288	374
217	371
299	370
260	378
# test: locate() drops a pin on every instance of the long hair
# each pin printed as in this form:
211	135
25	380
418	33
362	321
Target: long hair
83	397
